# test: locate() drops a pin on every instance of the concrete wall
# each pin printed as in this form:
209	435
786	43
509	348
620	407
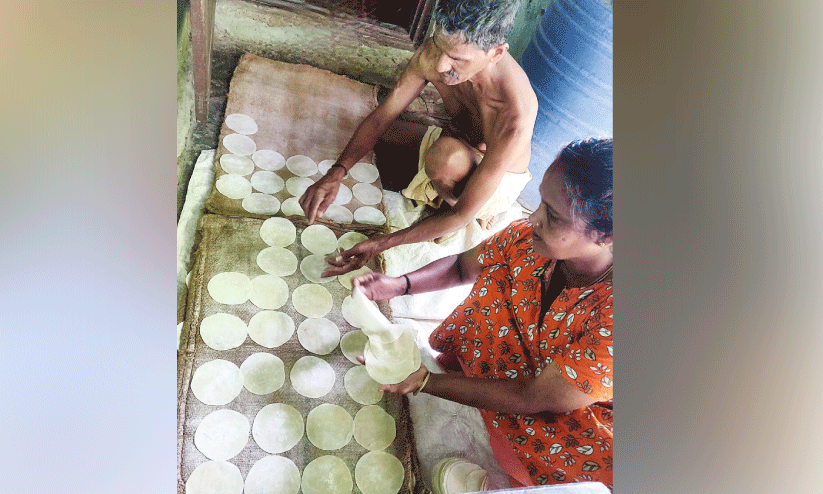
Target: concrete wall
185	105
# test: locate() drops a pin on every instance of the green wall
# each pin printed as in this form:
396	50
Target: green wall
525	24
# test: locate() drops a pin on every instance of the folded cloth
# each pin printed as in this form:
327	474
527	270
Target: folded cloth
421	190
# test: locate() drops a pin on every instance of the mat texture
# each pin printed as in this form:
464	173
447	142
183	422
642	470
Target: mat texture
299	110
232	244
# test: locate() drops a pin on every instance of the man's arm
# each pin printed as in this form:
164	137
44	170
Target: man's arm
321	194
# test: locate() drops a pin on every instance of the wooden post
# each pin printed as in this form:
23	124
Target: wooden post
202	31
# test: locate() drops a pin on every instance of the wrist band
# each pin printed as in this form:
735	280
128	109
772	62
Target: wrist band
345	171
408	284
423	384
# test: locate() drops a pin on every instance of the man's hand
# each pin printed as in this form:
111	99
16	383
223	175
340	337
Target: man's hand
321	194
354	258
378	286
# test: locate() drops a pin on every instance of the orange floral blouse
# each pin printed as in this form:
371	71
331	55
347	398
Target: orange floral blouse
495	334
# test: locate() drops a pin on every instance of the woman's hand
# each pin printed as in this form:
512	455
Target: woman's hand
354	258
409	385
378	286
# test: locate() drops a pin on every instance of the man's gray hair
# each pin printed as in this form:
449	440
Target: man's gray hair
486	23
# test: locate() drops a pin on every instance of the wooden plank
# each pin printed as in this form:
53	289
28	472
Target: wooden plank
202	35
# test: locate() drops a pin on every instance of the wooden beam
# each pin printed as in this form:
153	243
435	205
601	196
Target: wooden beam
202	35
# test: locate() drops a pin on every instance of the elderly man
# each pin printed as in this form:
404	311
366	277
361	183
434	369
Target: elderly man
478	165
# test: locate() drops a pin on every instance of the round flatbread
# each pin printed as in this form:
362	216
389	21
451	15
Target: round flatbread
292	207
273	475
278	232
302	166
361	387
267	182
348	312
346	279
222	434
229	288
378	472
327	475
277	261
270	329
215	477
269	291
277	428
324	166
312	377
350	239
266	159
318	335
233	186
343	196
367	193
240	123
313	266
392	372
338	214
311	300
217	382
364	172
369	216
329	426
236	164
263	373
258	203
353	344
296	186
319	239
223	331
374	429
239	144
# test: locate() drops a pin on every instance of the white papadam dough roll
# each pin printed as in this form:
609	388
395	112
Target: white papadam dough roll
312	267
369	216
239	144
296	186
327	475
230	288
475	480
399	350
350	239
361	387
455	475
269	160
240	123
389	372
273	475
343	196
318	335
378	472
267	182
312	377
291	207
364	172
257	203
346	279
236	164
233	186
222	434
277	428
302	166
338	214
263	373
367	193
223	331
372	321
374	429
329	427
217	382
311	300
215	477
353	344
278	232
270	329
277	261
269	292
324	166
319	239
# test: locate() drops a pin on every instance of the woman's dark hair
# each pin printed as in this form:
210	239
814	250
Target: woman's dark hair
587	166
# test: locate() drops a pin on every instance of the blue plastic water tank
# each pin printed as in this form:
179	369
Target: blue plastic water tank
569	64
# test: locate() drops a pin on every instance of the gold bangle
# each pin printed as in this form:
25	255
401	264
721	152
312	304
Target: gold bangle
423	384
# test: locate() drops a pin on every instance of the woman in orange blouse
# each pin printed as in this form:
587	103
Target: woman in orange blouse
534	337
